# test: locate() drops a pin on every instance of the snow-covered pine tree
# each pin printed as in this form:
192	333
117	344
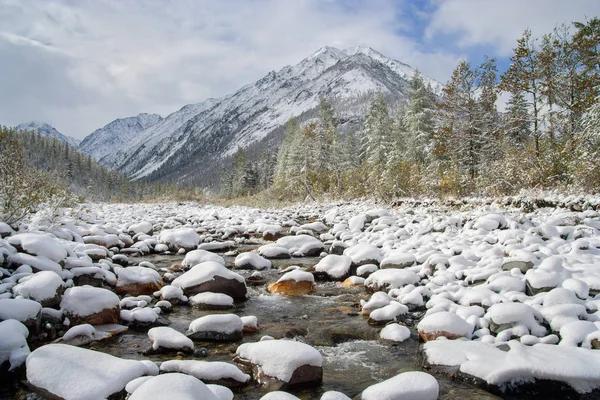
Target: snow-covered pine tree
377	140
418	120
517	122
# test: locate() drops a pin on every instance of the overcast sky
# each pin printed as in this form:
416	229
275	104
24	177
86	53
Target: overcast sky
79	64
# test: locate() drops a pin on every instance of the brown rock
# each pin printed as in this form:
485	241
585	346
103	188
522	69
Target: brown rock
301	375
292	288
348	283
428	336
138	289
218	284
106	316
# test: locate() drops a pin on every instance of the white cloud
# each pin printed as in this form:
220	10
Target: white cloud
500	23
78	65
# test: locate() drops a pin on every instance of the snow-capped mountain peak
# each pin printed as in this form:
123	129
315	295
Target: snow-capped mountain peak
189	144
116	134
47	130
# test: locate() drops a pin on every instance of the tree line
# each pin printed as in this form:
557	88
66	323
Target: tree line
35	169
456	143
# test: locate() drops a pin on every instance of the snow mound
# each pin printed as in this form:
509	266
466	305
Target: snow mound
280	358
173	386
74	373
206	370
414	385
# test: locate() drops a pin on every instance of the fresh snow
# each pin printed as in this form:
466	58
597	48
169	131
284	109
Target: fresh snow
280	358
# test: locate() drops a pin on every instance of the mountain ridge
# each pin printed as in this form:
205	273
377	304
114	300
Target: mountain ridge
47	130
202	135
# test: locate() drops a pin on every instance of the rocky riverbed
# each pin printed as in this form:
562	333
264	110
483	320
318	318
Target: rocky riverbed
296	301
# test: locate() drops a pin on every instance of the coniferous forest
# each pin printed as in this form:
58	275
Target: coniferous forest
457	142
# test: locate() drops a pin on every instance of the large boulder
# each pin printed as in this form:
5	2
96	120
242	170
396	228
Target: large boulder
26	311
211	276
136	281
250	260
45	287
39	245
302	245
181	238
334	267
386	279
91	305
173	386
216	327
294	283
413	385
364	253
281	362
59	371
444	323
195	257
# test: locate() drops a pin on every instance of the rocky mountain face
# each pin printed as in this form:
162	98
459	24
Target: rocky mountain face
47	130
104	141
191	144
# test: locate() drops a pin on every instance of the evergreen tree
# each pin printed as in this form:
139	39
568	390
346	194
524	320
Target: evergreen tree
377	139
418	120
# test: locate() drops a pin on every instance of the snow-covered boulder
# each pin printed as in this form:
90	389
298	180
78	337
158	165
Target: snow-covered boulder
352	281
395	333
250	260
274	251
168	339
389	313
39	245
143	317
26	311
144	227
294	283
136	281
45	287
91	305
443	323
334	267
69	372
386	279
398	260
413	385
216	327
217	246
195	257
173	386
515	319
13	345
181	238
364	253
302	245
210	372
212	301
250	323
172	294
80	335
37	263
211	276
281	362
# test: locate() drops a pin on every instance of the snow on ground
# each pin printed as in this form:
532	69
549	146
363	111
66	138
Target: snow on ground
517	285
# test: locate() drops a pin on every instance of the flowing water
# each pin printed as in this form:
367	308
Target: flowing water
327	320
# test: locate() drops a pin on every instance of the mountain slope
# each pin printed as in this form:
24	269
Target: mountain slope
189	145
116	134
47	130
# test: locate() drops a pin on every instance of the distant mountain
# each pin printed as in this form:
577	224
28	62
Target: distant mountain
189	145
47	130
116	135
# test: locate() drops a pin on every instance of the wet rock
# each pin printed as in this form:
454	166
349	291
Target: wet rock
294	283
90	305
213	277
280	363
216	327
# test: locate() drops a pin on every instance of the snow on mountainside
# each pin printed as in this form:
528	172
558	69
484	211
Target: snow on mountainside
47	130
189	144
116	134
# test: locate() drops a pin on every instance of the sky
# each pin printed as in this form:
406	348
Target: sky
79	64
